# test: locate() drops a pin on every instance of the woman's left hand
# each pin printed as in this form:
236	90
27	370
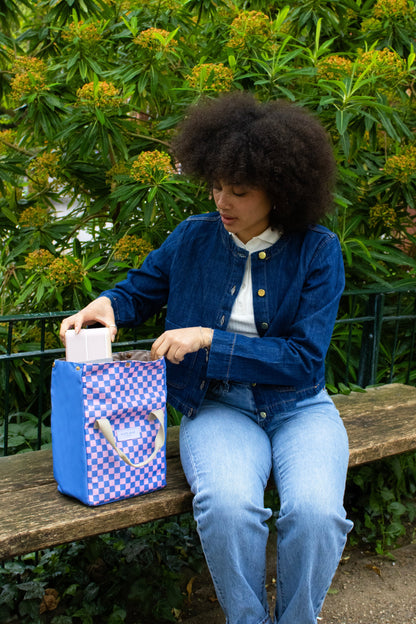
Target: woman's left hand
174	344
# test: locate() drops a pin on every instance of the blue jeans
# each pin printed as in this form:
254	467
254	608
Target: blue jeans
228	452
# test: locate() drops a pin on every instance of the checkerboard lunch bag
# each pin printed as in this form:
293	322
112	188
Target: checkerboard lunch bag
108	427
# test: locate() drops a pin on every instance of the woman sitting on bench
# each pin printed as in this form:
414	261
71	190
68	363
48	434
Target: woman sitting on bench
252	292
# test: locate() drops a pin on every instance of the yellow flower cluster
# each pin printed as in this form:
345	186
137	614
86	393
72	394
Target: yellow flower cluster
211	77
129	246
35	216
120	168
253	25
7	138
369	24
38	260
44	169
382	214
391	8
170	5
29	78
87	34
103	95
154	39
129	5
402	166
334	67
386	64
65	272
151	166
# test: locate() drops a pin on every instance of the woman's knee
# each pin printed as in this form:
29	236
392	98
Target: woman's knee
310	517
230	506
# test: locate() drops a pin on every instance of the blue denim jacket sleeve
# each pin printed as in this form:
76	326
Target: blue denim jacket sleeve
295	353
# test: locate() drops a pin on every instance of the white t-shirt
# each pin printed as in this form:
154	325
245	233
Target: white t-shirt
242	313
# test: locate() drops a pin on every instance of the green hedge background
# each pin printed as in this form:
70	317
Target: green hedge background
92	90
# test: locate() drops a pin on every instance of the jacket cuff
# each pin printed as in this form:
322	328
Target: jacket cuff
221	355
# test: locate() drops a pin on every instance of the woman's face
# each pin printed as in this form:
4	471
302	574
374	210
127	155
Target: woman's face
244	209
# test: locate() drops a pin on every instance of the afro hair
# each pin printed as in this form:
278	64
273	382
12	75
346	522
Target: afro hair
276	146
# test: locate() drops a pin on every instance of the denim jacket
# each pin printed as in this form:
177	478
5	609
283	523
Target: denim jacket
197	272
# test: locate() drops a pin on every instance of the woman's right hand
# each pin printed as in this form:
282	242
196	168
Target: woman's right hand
98	311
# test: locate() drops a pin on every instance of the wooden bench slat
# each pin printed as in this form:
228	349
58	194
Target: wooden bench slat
33	515
25	471
380	422
41	517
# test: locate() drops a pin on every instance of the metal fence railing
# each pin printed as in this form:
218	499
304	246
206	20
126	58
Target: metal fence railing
373	342
29	343
374	338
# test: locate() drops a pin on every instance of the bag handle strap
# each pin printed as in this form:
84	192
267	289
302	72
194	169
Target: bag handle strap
104	426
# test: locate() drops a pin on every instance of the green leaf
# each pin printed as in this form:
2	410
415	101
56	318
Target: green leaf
356	388
76	248
92	262
344	389
342	120
396	508
9	214
100	116
87	284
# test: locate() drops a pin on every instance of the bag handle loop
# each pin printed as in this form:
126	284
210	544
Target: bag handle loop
103	424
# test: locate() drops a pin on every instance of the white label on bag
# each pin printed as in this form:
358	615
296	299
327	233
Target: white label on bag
130	433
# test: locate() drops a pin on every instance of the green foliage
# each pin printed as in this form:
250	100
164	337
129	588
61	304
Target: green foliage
381	500
92	91
127	576
25	433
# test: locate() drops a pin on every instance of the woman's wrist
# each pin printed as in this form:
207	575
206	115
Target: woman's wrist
206	337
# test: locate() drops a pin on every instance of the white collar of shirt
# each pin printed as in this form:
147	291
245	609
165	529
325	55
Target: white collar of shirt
266	239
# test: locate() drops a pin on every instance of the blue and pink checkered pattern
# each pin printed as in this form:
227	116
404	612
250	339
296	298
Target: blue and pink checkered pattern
124	392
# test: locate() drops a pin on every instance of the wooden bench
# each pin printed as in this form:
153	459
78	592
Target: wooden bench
380	422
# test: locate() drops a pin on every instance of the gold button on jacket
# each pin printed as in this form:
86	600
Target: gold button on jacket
261	292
